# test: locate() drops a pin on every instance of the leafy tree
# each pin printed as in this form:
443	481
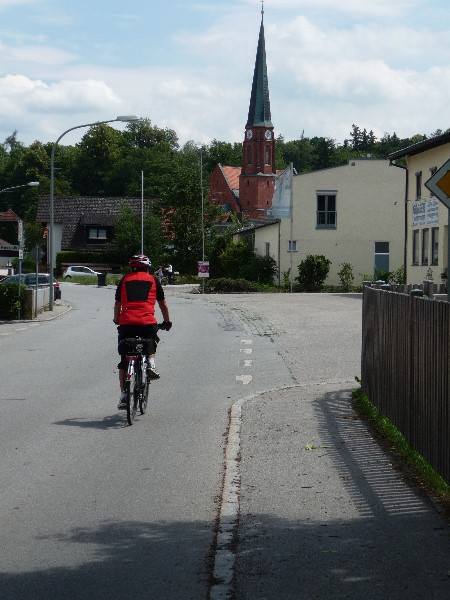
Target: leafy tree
11	142
323	153
126	240
234	256
99	148
142	134
181	203
222	152
34	235
297	152
312	272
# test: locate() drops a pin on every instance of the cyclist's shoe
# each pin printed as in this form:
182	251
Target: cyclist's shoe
122	402
152	373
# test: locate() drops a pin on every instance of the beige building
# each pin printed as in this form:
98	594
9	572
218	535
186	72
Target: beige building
350	214
427	217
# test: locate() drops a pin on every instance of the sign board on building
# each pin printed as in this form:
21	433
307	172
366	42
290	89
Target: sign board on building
439	184
425	213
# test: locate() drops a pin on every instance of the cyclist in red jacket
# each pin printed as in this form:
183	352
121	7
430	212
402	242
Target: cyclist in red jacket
134	313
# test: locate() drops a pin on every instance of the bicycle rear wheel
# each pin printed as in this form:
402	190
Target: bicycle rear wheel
132	388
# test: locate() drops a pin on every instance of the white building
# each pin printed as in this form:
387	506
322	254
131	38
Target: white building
350	214
427	217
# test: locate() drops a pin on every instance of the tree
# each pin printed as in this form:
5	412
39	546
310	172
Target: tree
126	240
323	154
181	204
234	256
99	149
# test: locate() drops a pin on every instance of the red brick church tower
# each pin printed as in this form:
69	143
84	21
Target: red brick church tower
257	179
248	190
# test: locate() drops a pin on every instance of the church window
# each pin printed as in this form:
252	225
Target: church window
267	155
249	155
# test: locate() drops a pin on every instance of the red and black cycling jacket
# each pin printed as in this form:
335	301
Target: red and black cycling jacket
138	294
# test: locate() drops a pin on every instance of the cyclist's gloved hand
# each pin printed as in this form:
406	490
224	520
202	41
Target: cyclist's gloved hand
167	325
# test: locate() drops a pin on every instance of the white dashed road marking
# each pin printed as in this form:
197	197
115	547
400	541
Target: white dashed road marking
246	379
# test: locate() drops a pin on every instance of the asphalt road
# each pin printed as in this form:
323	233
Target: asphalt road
92	508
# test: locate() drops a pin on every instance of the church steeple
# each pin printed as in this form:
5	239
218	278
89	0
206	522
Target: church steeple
257	179
259	109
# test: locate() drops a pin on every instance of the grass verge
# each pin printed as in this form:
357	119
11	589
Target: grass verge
416	469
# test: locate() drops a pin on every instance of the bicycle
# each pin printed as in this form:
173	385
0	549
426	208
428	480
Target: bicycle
137	381
165	278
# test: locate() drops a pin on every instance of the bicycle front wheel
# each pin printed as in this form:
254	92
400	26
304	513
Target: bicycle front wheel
144	397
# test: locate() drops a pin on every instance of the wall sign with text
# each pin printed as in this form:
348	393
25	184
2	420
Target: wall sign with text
425	213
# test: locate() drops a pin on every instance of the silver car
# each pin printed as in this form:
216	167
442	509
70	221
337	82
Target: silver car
79	271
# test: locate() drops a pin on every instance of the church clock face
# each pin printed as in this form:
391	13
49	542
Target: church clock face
268	135
249	134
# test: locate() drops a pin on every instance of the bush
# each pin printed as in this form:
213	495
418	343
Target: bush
346	277
224	285
312	272
234	256
259	268
10	301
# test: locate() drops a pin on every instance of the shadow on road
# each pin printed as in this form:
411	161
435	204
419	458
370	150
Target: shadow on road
111	422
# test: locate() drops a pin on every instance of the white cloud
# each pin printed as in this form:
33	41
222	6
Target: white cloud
382	74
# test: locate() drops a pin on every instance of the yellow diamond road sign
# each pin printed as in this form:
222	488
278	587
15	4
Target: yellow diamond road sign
439	184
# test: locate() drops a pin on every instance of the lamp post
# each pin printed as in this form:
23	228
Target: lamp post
20	229
124	118
203	216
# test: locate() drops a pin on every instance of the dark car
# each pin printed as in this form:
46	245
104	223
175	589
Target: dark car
29	280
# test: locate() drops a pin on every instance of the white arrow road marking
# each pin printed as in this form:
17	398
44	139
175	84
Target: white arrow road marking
246	379
248	363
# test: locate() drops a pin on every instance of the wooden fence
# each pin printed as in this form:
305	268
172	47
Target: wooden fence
405	369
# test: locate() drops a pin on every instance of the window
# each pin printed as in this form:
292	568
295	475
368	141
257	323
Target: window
432	172
326	211
415	248
425	244
435	245
249	155
382	256
292	246
97	233
267	154
267	249
418	185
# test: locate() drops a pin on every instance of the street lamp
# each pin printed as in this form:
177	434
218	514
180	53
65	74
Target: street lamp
14	187
123	118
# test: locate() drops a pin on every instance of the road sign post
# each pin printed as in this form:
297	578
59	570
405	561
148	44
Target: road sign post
439	185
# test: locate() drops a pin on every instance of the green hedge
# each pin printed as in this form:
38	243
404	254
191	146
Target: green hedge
224	285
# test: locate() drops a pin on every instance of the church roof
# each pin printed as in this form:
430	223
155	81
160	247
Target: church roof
232	176
259	109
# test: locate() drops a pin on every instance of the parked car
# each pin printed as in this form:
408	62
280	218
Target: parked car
29	280
79	271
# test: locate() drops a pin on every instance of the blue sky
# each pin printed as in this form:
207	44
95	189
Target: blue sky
188	65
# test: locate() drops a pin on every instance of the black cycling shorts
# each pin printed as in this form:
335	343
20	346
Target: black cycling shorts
147	332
